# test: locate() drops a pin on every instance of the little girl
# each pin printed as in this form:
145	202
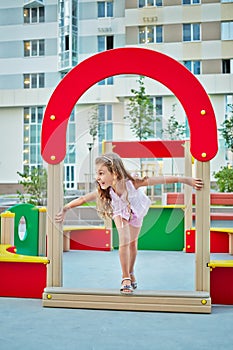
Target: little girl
118	197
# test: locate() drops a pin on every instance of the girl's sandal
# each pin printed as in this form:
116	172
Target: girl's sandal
133	283
126	289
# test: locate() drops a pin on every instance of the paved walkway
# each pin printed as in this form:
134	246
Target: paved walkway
25	324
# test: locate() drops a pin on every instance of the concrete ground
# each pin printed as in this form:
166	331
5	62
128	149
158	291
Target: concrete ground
25	324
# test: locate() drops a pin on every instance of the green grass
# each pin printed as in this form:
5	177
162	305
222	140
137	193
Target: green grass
89	204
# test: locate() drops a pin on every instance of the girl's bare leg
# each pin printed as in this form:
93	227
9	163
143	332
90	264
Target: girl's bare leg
133	248
123	229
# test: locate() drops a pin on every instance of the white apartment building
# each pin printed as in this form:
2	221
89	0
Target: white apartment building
40	41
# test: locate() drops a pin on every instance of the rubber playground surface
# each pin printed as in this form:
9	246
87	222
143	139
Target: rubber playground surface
25	324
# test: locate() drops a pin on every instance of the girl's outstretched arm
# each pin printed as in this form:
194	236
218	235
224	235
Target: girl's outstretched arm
75	203
197	184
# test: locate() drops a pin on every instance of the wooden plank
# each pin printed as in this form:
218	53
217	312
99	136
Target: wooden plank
128	307
125	299
231	244
203	228
206	226
55	231
141	301
187	190
138	293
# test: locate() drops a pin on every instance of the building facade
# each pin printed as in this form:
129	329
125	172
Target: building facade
40	41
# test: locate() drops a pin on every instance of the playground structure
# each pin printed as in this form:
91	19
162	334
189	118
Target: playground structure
23	261
220	239
25	275
164	226
202	124
18	270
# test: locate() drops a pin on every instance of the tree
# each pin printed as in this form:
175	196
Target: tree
224	179
34	185
225	175
93	123
174	129
227	130
141	112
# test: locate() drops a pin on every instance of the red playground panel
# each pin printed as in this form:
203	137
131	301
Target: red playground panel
90	239
219	241
221	286
148	149
21	276
22	280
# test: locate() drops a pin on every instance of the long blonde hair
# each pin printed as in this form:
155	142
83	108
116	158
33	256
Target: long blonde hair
115	166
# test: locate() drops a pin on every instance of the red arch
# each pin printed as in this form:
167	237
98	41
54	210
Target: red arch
191	94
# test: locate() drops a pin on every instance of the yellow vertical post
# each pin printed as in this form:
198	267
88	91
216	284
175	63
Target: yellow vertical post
107	147
54	231
7	227
42	231
203	228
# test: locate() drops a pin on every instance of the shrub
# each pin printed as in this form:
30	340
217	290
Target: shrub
35	187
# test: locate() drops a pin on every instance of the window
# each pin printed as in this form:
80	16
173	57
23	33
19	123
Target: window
150	34
34	80
191	32
32	132
107	81
105	42
193	66
33	117
33	15
158	108
69	176
67	42
228	105
34	48
105	131
70	159
143	3
105	9
227	66
227	31
67	34
226	1
191	2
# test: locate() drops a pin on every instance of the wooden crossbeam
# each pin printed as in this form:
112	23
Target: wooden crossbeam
166	301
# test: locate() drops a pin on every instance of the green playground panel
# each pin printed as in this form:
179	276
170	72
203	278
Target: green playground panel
29	245
162	229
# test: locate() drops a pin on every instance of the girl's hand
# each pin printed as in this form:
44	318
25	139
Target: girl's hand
59	217
198	184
